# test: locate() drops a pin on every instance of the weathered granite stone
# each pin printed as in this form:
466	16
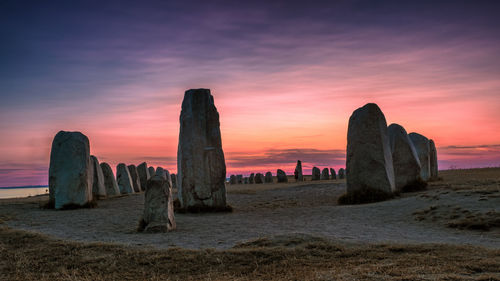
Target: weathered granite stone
325	175
251	178
369	160
152	171
341	174
268	177
173	178
298	172
144	175
281	176
70	173
423	149
433	161
124	179
232	179
259	178
239	179
134	175
316	174
333	175
201	166
158	213
98	188
110	184
404	158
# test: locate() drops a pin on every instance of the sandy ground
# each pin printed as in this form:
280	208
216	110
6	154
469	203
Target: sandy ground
277	209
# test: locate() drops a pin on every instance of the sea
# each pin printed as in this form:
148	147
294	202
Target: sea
22	191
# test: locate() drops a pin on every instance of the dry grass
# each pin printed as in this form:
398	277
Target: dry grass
29	256
486	180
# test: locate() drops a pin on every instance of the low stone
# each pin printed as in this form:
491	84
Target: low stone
98	188
316	174
245	180
433	161
134	175
239	179
268	177
422	146
158	213
259	178
232	179
124	179
333	175
144	175
325	175
110	184
161	172
281	176
341	174
251	178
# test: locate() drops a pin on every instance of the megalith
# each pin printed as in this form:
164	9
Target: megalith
110	184
152	171
315	174
281	176
341	173
433	161
158	213
134	175
422	147
144	175
232	179
124	179
98	188
297	174
325	175
268	177
251	178
259	178
333	175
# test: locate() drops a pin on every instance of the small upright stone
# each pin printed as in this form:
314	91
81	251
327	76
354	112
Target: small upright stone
161	172
259	178
124	179
134	175
251	178
144	175
297	174
316	174
281	176
269	177
70	174
239	179
110	184
422	147
325	175
98	188
333	175
151	171
158	206
433	160
232	179
341	174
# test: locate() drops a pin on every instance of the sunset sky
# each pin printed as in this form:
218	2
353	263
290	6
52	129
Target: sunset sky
285	78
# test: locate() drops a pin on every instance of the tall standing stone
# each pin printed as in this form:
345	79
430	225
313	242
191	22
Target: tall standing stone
251	178
124	179
158	213
325	175
112	188
151	171
297	174
201	166
315	174
341	174
268	177
281	176
433	161
369	160
98	188
404	158
422	147
333	174
70	172
134	175
259	178
144	175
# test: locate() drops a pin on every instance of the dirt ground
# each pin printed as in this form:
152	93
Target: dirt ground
462	209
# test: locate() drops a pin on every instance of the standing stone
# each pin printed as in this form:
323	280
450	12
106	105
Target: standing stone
245	180
144	175
333	174
259	178
134	175
269	177
151	171
325	175
281	176
239	179
316	174
158	213
161	172
298	172
124	179
369	159
200	158
341	174
173	177
404	158
70	173
433	161
422	147
168	177
98	188
232	179
251	178
110	184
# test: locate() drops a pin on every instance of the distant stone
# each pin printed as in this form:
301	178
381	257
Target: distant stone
161	172
110	184
341	174
268	177
316	174
433	161
325	175
98	188
134	175
168	176
232	179
422	146
144	175
239	179
158	213
245	180
369	160
151	171
281	176
173	177
201	166
333	175
259	178
404	158
297	174
251	178
70	174
124	179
